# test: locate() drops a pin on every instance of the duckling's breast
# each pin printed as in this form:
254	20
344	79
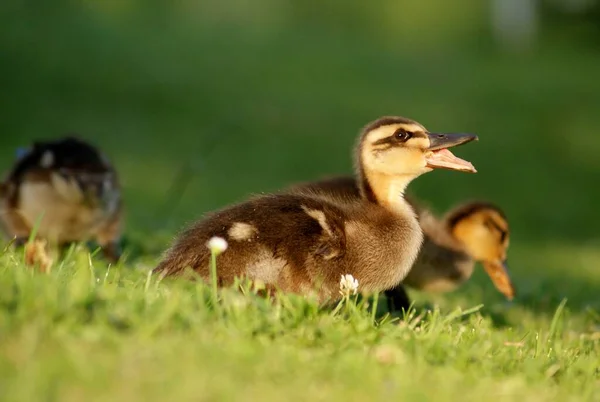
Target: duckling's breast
383	254
64	211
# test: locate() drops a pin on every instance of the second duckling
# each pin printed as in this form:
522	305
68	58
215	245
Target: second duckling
72	187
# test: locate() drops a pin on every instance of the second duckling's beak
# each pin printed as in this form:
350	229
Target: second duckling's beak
498	272
439	157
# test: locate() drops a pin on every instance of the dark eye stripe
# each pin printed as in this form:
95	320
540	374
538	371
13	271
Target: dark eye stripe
490	223
393	139
386	140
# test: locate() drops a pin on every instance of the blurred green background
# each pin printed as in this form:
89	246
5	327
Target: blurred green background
200	103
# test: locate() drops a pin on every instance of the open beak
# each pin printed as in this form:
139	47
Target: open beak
498	272
438	156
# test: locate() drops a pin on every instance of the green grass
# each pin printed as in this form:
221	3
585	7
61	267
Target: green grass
201	103
88	332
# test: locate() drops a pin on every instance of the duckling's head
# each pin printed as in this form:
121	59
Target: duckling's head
70	154
483	230
392	151
397	146
72	164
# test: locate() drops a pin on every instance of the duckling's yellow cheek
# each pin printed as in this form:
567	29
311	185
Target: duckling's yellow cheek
420	143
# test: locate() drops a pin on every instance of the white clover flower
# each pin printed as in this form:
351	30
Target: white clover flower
217	245
348	285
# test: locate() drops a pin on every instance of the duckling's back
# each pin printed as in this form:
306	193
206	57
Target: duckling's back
269	239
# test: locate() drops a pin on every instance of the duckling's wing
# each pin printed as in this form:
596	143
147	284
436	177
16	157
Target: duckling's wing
291	228
298	226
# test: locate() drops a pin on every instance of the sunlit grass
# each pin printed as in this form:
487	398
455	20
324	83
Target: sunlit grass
89	331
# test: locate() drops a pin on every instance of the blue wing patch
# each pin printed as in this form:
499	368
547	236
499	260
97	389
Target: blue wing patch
21	152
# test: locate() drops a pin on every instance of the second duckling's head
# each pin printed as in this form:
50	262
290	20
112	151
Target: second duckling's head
75	168
398	146
483	230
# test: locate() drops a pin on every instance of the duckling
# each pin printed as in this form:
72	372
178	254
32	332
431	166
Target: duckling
472	232
303	244
71	188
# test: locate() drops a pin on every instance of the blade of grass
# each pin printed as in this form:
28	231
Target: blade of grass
553	331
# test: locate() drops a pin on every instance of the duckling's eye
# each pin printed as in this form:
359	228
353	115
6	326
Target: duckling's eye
402	135
503	236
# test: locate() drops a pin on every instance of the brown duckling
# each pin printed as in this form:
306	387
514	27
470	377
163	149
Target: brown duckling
72	187
303	244
472	232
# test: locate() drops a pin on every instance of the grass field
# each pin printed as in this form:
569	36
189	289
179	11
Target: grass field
200	105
